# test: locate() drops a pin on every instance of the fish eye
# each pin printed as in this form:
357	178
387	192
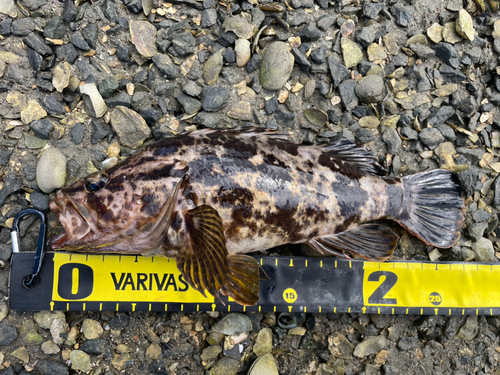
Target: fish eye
95	183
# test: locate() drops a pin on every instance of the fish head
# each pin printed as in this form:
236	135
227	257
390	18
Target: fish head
105	211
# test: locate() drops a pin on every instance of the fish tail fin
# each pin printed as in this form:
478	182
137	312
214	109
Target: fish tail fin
432	207
243	280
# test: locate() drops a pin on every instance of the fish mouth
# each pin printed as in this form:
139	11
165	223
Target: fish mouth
74	217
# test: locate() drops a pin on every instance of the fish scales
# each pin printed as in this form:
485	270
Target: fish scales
210	196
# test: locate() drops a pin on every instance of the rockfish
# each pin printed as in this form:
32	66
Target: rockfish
209	196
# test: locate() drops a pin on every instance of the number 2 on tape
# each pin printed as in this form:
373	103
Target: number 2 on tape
378	296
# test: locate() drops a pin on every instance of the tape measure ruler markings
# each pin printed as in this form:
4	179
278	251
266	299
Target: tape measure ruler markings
298	284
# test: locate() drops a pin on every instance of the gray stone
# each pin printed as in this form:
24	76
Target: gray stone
233	324
326	21
431	137
108	87
4	156
11	184
276	66
190	105
347	90
166	66
309	33
76	133
208	17
371	89
36	42
23	27
97	347
370	345
440	116
131	128
39	201
392	140
184	44
483	249
476	230
407	343
209	120
79	42
192	89
403	15
469	330
8	7
367	35
50	367
371	10
42	128
8	333
214	98
447	53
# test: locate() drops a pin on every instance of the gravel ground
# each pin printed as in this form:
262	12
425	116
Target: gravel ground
83	85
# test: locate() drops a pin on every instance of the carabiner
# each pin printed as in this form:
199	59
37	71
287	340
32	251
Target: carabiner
29	280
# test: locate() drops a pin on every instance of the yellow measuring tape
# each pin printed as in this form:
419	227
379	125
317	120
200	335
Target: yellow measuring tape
316	285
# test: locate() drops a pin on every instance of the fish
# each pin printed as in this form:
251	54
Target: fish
210	197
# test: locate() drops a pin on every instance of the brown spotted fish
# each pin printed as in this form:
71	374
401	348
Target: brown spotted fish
208	197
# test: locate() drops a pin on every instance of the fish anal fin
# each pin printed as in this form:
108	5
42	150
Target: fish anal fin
203	262
206	265
359	157
370	241
243	281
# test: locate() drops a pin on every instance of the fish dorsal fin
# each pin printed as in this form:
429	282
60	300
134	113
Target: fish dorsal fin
251	131
357	156
206	265
369	241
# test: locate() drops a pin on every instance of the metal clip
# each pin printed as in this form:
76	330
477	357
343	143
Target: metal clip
29	280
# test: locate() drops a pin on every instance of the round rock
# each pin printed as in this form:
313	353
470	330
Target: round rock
276	66
233	324
242	49
91	329
265	365
51	170
371	89
130	126
80	361
431	137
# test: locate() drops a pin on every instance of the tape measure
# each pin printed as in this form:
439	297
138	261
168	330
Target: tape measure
80	282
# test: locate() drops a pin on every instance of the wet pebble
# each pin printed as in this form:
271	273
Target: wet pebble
214	98
213	67
264	365
33	111
42	128
91	329
93	101
276	66
242	50
51	170
50	347
8	333
264	342
351	52
143	37
370	345
392	140
371	89
80	361
131	128
483	250
431	137
233	324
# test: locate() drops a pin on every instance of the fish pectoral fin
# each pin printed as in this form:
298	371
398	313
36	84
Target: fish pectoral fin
243	281
204	262
357	156
370	241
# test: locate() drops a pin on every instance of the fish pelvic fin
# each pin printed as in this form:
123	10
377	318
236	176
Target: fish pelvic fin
369	241
433	207
205	263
